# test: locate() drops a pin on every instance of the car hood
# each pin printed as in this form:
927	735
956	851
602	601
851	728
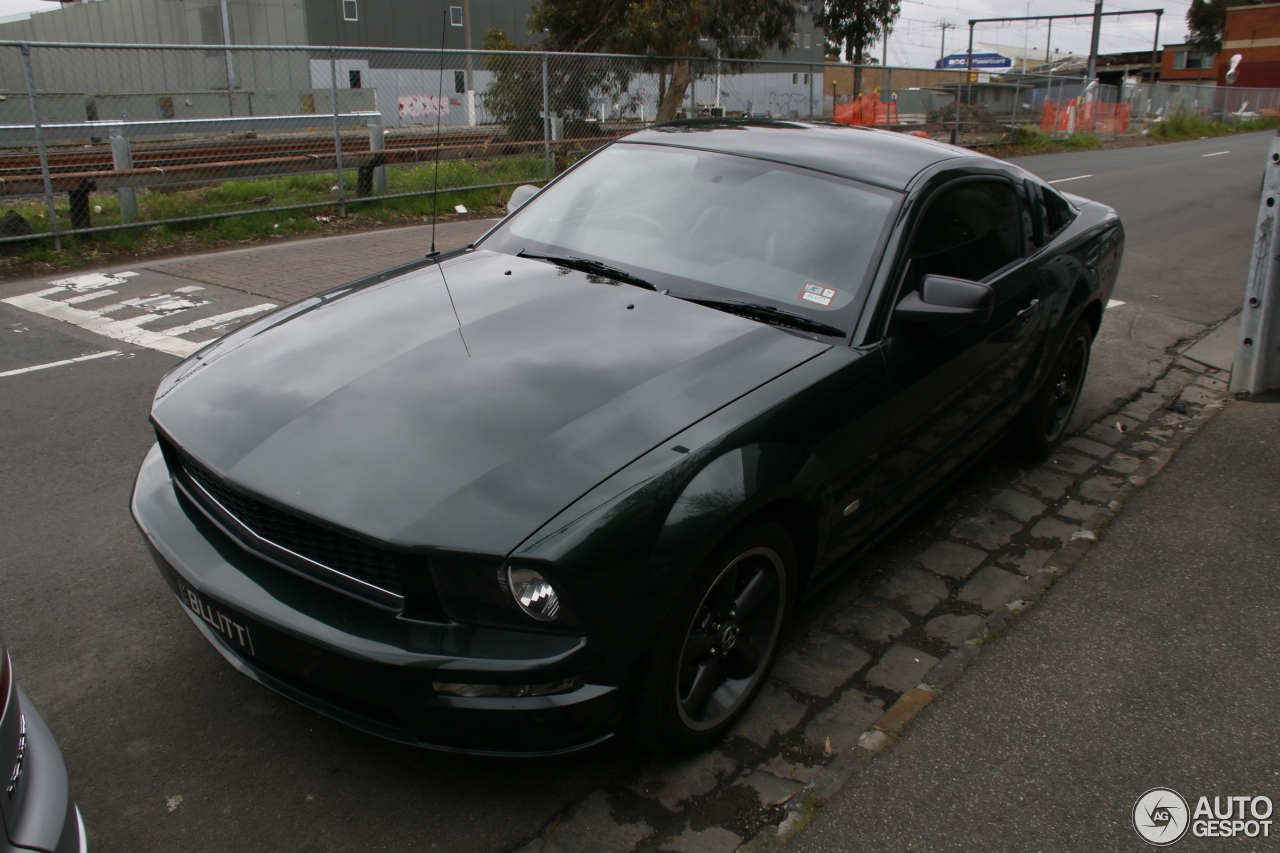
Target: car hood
375	410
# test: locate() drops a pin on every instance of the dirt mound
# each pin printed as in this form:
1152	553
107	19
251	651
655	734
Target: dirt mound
974	117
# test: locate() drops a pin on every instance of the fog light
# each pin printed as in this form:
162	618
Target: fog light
503	691
534	594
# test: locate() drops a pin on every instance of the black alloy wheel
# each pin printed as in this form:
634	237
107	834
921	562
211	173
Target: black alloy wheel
732	636
714	650
1047	416
1066	388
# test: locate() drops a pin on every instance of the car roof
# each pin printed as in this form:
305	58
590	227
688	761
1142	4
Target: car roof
879	157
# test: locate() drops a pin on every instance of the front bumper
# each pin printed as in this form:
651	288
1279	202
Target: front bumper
359	665
40	814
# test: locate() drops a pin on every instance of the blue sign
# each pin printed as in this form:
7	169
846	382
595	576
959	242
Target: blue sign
980	60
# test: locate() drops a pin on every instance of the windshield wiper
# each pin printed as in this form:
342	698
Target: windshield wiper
769	314
589	266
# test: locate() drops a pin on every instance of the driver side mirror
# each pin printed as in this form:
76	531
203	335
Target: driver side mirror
519	196
950	301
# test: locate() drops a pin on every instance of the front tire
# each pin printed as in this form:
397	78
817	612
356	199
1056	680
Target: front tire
1044	421
716	647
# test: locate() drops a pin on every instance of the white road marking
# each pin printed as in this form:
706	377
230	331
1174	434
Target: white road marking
157	306
1114	303
92	281
163	302
97	295
219	319
126	331
59	363
1215	154
1064	180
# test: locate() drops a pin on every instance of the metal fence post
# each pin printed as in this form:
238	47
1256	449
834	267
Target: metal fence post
1257	364
44	156
1017	96
337	131
546	116
122	158
811	91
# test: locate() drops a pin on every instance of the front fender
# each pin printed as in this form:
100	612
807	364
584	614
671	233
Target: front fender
730	488
627	546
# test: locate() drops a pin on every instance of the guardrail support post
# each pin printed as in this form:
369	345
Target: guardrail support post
44	156
122	158
1257	364
377	142
337	132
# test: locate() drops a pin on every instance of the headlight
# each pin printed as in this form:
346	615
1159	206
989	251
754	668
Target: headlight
534	593
503	596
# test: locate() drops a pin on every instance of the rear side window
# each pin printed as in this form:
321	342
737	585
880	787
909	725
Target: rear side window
970	232
1057	212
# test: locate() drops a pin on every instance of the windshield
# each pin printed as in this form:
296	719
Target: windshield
711	225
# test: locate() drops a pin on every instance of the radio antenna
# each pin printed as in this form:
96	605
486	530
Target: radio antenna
435	179
435	182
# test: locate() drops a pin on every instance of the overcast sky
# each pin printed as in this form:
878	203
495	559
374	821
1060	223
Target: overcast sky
916	38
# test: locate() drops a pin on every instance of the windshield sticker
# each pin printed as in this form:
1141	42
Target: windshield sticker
817	293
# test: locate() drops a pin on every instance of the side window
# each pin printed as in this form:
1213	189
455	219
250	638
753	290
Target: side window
969	232
1057	213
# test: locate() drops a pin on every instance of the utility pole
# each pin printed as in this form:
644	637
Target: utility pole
943	25
884	47
1097	31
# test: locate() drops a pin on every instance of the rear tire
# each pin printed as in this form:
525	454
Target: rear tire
1045	419
718	643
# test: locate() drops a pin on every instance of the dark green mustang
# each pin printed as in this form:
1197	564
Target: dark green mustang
572	479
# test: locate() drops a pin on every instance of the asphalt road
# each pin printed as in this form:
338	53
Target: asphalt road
168	748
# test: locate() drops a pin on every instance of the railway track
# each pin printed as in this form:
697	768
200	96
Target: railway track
64	159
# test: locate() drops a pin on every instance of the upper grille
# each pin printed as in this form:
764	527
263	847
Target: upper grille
336	551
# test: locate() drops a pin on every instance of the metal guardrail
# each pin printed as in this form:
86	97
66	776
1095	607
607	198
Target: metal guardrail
26	133
1257	364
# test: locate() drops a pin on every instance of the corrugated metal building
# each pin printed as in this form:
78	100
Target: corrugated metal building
173	83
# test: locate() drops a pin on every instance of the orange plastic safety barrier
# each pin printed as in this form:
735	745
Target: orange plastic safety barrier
1089	117
868	109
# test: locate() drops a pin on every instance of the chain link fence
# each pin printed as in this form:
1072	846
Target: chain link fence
101	138
104	138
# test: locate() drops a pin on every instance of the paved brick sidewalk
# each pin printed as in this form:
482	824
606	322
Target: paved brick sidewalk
292	271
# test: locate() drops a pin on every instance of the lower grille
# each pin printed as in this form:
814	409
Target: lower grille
335	558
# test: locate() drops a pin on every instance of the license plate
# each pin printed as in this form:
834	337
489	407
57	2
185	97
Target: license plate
234	632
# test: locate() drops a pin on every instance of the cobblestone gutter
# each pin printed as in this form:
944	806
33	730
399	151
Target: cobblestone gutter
851	685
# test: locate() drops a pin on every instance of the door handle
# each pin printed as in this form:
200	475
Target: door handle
1030	307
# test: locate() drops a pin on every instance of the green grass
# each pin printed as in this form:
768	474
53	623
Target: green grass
254	194
1026	139
1185	125
1079	141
